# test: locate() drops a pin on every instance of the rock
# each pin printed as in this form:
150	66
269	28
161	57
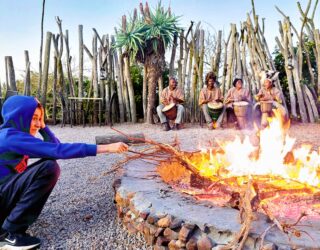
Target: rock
120	212
160	248
146	229
144	215
175	223
180	244
140	227
131	229
191	244
152	219
153	229
87	217
170	234
162	241
205	243
172	245
190	226
269	246
184	233
219	247
165	221
159	232
150	239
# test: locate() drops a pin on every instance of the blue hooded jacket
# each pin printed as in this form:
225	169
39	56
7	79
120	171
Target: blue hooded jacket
17	144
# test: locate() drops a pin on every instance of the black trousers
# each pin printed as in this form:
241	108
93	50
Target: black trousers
23	196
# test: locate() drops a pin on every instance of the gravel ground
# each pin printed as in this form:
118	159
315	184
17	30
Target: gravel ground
80	213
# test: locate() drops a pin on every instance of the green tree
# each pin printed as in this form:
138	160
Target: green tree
145	39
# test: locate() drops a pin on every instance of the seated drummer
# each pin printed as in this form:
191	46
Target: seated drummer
236	94
210	93
269	92
171	94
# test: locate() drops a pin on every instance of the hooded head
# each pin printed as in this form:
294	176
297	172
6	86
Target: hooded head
17	112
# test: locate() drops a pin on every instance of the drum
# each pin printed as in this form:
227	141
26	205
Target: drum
170	111
215	109
266	110
266	106
240	110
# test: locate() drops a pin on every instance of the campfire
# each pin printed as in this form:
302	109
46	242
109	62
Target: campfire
266	173
284	178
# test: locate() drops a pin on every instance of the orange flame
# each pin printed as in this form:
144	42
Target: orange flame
275	156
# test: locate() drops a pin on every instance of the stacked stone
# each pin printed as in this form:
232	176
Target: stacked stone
146	206
162	231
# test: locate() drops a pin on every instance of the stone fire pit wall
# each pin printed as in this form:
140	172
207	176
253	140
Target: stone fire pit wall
171	220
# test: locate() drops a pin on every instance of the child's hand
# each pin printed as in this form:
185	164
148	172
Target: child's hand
118	147
42	124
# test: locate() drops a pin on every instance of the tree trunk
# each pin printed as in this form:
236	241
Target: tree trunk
180	83
95	66
126	99
54	92
119	81
317	42
308	104
45	72
69	71
302	107
160	87
184	69
238	69
27	83
130	90
107	102
144	92
173	55
285	51
188	87
230	57
193	101
10	75
216	61
41	44
225	66
155	64
312	103
80	83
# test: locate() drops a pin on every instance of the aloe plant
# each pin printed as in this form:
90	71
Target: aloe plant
144	39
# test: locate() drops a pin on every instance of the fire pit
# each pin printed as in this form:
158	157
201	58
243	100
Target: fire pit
236	196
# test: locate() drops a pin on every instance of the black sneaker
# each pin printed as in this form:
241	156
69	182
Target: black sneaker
15	241
3	234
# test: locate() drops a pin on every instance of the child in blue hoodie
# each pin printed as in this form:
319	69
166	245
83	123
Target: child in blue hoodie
24	189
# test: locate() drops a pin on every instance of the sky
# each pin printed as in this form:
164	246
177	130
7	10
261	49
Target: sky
20	21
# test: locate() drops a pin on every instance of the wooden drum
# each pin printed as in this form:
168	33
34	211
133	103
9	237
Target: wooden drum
266	110
240	110
170	111
266	106
215	109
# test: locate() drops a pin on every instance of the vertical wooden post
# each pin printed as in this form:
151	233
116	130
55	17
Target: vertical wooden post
11	78
119	81
80	83
173	55
46	70
216	61
27	84
181	49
